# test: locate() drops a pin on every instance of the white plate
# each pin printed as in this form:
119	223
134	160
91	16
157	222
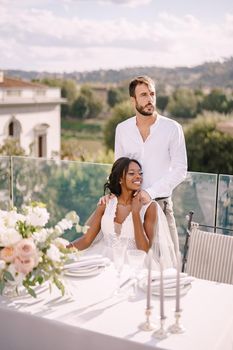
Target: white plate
84	273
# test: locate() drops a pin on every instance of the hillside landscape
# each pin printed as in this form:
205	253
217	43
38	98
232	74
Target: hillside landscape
207	75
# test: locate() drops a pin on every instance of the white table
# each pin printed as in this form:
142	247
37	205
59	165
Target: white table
94	320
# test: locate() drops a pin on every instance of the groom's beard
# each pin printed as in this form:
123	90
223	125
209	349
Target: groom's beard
147	110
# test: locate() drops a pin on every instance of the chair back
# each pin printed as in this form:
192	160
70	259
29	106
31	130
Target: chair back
210	256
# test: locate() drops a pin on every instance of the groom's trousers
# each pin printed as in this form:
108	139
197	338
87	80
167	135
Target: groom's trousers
167	206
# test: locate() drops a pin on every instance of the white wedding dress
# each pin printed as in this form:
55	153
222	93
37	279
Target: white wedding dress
162	245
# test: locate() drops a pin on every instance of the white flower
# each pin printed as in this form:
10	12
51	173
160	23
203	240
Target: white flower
72	216
65	224
61	242
58	230
36	216
40	236
54	253
9	237
2	264
25	245
85	228
9	219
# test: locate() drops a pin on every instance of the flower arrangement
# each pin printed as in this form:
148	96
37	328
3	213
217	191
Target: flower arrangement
30	253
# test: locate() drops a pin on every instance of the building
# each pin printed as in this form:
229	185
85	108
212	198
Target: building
30	113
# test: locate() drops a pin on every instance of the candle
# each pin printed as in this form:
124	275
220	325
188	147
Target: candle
148	299
161	294
178	282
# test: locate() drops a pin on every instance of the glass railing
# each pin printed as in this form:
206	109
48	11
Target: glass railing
68	185
197	194
224	212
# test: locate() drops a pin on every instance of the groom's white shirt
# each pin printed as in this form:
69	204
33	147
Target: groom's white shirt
162	156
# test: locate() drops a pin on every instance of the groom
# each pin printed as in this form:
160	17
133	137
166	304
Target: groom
158	144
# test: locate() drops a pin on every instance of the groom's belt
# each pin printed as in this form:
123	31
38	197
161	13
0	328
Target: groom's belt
161	198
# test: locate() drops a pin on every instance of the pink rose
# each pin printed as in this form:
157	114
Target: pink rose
24	266
25	249
7	254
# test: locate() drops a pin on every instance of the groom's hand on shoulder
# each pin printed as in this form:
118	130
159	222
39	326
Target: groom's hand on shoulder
105	199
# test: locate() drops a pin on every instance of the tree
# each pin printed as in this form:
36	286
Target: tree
162	102
183	104
215	101
230	105
80	108
115	96
209	150
86	104
68	90
121	112
95	107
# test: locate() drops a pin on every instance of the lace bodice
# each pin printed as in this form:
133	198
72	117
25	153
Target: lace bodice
127	227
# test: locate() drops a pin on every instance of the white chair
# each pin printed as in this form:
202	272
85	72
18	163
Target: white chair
210	256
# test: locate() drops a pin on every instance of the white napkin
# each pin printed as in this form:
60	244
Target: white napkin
167	274
88	262
169	279
171	283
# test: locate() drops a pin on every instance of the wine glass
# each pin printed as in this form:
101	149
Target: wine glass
136	259
118	253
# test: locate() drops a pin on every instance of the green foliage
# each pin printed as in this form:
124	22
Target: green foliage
116	95
209	150
80	107
183	104
68	90
162	102
25	229
121	112
95	107
86	105
80	126
230	104
216	100
11	147
103	157
68	87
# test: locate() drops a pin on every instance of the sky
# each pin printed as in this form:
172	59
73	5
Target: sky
85	35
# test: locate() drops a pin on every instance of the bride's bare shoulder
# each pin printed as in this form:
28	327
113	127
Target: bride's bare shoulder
152	208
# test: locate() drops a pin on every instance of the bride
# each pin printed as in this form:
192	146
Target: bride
124	215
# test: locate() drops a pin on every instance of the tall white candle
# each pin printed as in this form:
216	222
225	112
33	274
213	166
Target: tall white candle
162	316
148	299
178	282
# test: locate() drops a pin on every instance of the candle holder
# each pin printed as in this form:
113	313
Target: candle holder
161	333
177	327
147	325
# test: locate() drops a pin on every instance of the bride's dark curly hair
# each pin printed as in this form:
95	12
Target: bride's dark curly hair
119	169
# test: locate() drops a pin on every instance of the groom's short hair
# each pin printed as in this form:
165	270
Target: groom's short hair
144	79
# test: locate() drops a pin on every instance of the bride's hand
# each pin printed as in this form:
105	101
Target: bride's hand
137	203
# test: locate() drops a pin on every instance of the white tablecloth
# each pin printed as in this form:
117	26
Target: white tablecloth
94	319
